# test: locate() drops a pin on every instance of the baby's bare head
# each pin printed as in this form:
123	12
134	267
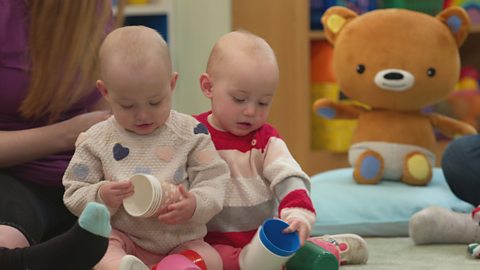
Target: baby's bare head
240	48
132	50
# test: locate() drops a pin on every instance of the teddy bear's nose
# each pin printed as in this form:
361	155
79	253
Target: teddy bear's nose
394	79
393	76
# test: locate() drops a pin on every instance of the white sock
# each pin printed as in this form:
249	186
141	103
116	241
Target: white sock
352	248
435	225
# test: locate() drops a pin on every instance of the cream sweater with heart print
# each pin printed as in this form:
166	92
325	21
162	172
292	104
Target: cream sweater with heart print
180	152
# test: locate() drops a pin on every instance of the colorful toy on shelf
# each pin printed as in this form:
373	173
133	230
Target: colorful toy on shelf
318	7
137	2
397	62
471	6
431	7
333	135
321	62
469	78
359	6
464	103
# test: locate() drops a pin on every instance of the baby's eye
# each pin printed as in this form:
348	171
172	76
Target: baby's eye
126	107
263	104
238	100
155	103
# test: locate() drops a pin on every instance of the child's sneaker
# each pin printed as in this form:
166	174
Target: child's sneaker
474	250
130	262
353	249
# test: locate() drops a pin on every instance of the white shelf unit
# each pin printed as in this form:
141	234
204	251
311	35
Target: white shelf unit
154	8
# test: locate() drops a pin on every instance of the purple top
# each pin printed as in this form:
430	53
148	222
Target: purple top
14	79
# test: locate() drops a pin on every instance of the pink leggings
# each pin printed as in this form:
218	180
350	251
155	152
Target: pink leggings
120	245
229	256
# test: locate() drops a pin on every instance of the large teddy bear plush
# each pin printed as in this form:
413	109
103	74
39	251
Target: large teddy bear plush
394	62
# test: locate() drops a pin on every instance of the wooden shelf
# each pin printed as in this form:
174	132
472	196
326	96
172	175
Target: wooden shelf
317	35
475	28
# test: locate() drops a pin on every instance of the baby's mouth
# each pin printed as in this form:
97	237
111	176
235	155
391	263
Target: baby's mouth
142	126
244	124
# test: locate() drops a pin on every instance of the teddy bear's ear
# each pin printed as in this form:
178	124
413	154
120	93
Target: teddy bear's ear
457	21
334	19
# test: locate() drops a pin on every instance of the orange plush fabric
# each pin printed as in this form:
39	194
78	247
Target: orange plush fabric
396	62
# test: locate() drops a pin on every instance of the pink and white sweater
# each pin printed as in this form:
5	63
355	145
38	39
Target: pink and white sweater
180	152
264	176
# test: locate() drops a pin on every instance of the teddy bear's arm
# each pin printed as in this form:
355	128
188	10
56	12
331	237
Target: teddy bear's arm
330	109
449	126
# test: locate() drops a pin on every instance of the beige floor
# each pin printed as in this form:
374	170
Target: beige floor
403	254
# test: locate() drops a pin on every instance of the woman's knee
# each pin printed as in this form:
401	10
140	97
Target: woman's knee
459	165
11	237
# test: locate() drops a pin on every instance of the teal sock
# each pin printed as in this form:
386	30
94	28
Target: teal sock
80	248
95	218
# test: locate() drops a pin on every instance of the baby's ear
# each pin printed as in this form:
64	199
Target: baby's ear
334	20
101	87
173	80
206	85
457	21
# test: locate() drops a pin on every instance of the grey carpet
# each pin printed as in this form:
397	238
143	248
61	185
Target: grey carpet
402	253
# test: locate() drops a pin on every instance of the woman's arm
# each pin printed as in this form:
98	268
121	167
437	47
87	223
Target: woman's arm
20	146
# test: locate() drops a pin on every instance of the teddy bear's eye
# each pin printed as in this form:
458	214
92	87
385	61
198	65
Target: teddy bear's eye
431	72
360	69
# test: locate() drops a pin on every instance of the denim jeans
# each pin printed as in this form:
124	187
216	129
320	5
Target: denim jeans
461	166
37	211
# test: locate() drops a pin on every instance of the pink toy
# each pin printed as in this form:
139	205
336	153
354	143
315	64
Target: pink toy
193	256
176	262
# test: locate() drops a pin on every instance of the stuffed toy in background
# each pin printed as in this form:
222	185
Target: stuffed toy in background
396	62
464	103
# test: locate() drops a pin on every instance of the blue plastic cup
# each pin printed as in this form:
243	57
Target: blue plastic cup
270	248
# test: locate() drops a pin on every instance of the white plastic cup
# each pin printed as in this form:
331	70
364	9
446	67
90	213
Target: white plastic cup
150	196
270	248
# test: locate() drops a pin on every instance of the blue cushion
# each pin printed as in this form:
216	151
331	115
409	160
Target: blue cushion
343	206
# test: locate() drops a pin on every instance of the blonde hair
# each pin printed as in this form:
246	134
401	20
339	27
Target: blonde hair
239	41
136	48
64	37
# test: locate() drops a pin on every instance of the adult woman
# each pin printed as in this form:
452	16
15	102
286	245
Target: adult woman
48	68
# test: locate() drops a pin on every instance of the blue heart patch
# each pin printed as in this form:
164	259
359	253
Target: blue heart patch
120	152
80	171
200	129
179	175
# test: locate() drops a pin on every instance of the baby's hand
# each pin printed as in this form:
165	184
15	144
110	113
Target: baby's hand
300	226
181	211
113	193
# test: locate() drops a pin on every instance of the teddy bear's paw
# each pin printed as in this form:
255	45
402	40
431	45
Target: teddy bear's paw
369	168
417	170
